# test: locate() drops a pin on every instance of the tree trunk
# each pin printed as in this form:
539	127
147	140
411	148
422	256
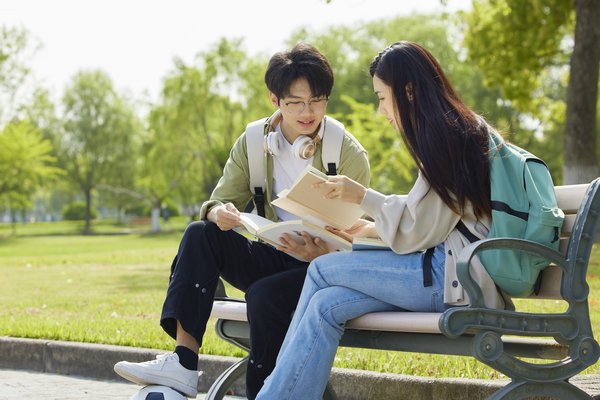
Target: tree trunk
88	210
155	218
580	161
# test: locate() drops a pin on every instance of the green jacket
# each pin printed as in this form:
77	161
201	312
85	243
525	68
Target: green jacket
234	185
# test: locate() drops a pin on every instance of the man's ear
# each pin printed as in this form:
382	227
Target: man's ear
274	99
409	92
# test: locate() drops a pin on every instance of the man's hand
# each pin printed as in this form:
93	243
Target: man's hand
361	228
309	250
226	216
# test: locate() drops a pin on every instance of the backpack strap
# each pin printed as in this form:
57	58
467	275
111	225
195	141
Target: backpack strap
255	132
333	138
462	228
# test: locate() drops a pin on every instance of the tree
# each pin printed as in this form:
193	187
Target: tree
524	46
25	163
203	109
16	50
99	128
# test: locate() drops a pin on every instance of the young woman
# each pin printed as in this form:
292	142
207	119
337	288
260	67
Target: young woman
449	143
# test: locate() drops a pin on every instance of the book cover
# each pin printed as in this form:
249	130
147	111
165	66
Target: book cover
270	231
311	205
368	243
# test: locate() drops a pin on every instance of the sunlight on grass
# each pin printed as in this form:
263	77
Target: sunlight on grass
110	288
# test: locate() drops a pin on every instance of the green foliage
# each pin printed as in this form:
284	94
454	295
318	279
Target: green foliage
204	108
76	212
25	163
392	168
525	47
99	130
16	50
513	41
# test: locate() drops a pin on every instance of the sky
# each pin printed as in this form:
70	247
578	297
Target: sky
135	41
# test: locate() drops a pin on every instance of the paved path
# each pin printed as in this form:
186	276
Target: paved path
27	385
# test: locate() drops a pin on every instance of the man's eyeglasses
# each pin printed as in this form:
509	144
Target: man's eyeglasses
297	107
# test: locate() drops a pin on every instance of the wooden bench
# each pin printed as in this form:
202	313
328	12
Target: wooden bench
498	338
140	221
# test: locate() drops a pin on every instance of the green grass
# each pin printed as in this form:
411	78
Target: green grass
109	288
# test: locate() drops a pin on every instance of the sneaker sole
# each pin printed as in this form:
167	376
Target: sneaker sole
150	379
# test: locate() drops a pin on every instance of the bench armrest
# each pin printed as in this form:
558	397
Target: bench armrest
466	255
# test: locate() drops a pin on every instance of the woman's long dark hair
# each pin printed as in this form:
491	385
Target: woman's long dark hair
447	140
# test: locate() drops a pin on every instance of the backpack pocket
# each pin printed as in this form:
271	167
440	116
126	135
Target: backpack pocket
543	227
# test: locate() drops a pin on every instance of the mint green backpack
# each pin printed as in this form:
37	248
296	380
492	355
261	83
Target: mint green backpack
523	206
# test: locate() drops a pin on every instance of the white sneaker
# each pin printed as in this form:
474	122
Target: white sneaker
165	370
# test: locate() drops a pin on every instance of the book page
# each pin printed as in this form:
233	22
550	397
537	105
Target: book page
253	222
304	200
271	233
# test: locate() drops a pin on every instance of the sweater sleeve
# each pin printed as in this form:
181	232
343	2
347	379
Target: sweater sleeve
354	162
234	186
413	222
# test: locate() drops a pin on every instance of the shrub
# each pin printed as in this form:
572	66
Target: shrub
76	211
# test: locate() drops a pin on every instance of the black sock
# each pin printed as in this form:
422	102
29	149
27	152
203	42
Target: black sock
187	358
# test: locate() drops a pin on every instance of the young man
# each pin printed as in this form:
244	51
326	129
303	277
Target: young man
300	82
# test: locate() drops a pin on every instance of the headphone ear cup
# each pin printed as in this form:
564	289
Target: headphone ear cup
303	147
272	143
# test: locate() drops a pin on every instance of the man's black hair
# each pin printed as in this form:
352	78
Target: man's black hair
303	61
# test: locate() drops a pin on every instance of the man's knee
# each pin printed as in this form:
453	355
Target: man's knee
258	298
198	229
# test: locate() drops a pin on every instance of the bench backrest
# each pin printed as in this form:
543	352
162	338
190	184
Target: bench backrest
581	209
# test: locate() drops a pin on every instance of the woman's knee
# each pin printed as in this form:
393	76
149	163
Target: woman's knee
323	304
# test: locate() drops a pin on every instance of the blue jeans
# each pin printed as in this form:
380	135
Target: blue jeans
339	287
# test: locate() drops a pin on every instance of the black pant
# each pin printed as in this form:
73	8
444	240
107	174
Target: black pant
271	279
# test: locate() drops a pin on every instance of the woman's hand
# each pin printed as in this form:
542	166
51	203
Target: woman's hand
309	250
226	216
361	228
343	188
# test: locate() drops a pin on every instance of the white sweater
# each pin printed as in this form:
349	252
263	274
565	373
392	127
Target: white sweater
421	220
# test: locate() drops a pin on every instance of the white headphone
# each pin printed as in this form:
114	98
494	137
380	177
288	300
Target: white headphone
303	147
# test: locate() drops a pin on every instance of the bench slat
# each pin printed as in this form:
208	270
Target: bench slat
397	321
383	321
569	197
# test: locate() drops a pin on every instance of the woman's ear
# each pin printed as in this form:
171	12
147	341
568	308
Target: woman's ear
409	91
274	99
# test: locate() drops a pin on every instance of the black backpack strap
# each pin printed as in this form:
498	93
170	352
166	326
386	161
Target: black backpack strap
259	201
462	228
331	169
427	267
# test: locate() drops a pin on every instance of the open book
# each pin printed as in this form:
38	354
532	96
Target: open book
270	231
311	205
368	243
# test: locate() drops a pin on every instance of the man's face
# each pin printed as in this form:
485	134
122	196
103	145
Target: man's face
302	113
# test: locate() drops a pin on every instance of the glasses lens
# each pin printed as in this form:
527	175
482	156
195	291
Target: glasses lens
297	107
318	105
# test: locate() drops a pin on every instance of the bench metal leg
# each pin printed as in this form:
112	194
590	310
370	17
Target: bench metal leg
238	370
226	380
522	390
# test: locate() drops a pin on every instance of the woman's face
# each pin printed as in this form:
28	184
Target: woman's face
386	102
